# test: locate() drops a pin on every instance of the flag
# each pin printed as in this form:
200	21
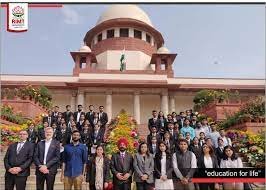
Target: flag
123	61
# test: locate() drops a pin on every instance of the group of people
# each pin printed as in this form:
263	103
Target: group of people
176	146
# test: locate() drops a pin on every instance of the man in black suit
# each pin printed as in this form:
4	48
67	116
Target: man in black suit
96	138
219	150
49	119
153	133
55	113
67	113
47	158
154	121
81	122
40	134
32	133
90	115
103	118
181	119
122	166
63	134
78	113
173	133
17	162
153	147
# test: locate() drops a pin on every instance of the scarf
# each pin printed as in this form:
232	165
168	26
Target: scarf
99	173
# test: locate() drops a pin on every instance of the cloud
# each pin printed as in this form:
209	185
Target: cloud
70	15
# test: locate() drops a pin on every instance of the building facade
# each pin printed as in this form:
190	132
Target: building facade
147	83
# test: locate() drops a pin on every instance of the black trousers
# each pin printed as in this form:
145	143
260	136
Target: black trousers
41	178
144	186
14	180
123	186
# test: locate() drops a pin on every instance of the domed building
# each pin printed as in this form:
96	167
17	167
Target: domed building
125	64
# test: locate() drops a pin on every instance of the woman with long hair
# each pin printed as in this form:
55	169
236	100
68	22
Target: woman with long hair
207	160
98	173
163	168
230	160
143	165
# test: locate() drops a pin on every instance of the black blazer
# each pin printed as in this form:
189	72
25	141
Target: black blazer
156	123
99	139
157	166
90	116
23	159
40	134
149	137
86	137
197	151
80	126
53	120
118	167
202	165
52	159
151	149
63	138
219	154
91	171
66	115
103	119
76	115
32	136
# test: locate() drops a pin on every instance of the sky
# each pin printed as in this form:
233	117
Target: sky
212	41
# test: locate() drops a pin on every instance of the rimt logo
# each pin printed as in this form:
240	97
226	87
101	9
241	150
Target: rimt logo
17	17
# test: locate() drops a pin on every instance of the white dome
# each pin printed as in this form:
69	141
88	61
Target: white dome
124	11
85	49
163	50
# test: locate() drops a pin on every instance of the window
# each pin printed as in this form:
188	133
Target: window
110	33
123	32
148	38
82	65
100	37
137	34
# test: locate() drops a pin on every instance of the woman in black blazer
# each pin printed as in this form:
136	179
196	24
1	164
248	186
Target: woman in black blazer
98	171
163	173
207	160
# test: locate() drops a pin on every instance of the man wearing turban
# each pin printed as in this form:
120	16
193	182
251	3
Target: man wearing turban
122	166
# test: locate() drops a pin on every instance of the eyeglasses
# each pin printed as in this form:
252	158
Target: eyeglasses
205	147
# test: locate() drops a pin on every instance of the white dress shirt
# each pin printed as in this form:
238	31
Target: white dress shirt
163	164
208	162
78	116
47	146
20	145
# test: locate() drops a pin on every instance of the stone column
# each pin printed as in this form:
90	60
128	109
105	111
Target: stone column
109	104
77	62
172	104
81	98
164	102
88	62
158	64
73	101
137	107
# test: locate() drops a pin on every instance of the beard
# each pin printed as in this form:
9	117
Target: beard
75	140
122	149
